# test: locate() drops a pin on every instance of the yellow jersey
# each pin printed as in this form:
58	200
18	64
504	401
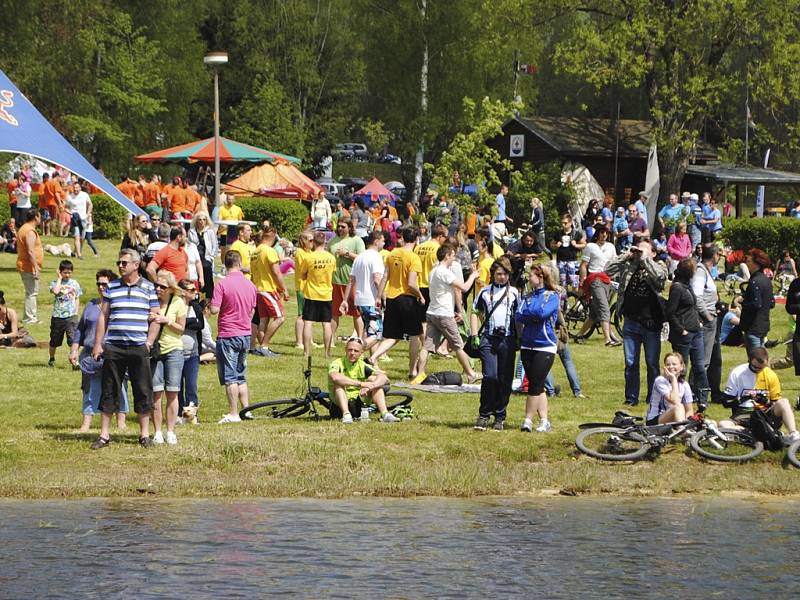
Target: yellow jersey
399	264
246	251
234	213
264	257
316	271
485	277
299	256
427	256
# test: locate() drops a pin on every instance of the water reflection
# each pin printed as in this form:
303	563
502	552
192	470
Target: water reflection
549	548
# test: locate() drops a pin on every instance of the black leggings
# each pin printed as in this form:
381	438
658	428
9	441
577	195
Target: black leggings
537	365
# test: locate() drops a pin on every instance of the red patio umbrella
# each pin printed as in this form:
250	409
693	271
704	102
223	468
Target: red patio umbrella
230	151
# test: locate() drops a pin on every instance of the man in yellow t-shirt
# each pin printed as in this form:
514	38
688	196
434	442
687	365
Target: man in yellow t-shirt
267	277
228	212
244	246
316	271
745	382
400	285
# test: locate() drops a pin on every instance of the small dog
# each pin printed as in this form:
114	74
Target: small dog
190	414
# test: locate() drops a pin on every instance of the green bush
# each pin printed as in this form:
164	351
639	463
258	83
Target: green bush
109	217
5	209
288	216
770	234
363	170
543	182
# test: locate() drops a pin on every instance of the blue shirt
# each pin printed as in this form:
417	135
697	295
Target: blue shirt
88	324
129	309
708	213
642	208
726	327
697	211
670	212
500	201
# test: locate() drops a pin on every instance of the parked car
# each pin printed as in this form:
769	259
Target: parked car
392	159
351	151
333	189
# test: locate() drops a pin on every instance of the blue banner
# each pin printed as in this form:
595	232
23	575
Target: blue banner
23	130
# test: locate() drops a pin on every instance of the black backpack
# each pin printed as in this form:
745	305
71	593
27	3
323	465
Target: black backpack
763	430
443	378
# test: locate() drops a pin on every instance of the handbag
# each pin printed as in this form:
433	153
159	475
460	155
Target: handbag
473	351
155	349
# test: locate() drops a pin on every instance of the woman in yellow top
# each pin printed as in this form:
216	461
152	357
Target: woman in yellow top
316	272
305	245
228	212
168	365
485	260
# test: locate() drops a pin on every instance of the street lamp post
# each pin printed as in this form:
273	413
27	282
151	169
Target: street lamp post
215	59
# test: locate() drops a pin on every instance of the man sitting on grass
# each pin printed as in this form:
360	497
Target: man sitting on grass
749	378
350	377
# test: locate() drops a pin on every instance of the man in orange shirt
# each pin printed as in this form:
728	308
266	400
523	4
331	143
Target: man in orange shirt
48	203
151	191
172	257
30	256
138	191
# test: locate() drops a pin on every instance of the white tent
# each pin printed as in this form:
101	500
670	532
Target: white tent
585	185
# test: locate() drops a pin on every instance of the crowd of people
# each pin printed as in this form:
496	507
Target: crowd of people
394	279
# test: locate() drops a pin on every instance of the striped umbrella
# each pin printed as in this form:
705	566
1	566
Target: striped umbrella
203	151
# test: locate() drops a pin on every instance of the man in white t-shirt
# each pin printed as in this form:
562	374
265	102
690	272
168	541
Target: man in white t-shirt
593	279
79	205
366	275
441	314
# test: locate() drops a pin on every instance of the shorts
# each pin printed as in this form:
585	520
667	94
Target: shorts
742	417
442	327
598	310
300	302
568	272
47	214
423	308
537	365
167	371
232	359
373	321
338	297
317	311
63	326
402	318
269	305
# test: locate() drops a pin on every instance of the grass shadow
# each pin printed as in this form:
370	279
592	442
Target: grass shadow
75	436
41	365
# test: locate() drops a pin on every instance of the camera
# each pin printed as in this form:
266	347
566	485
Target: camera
499	331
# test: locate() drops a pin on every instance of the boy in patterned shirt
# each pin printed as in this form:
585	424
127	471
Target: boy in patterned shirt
66	307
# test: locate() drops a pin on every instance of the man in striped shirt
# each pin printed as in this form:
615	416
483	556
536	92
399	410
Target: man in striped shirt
124	335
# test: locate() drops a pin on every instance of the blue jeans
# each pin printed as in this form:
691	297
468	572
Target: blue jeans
752	341
692	346
232	359
634	336
572	373
188	392
92	387
497	366
167	372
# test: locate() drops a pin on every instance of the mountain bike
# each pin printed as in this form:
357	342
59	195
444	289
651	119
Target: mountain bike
626	439
742	443
576	311
397	402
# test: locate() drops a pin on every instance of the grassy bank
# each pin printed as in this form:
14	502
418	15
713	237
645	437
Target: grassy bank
42	455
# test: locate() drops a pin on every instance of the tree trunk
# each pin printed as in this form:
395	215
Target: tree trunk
423	105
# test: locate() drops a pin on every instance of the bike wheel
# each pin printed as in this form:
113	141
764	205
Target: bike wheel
739	447
791	454
611	443
396	398
275	409
575	313
618	319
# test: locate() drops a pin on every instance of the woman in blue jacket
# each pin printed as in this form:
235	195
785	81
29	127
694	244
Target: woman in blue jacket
538	313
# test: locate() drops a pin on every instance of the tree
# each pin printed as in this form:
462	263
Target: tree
681	52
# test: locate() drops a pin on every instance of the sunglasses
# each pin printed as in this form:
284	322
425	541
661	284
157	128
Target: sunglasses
101	284
356	339
161	286
123	263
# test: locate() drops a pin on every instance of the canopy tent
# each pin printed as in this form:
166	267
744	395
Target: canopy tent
585	186
281	180
23	130
375	191
230	151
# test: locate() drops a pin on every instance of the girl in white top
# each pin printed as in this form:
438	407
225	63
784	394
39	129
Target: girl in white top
321	213
671	397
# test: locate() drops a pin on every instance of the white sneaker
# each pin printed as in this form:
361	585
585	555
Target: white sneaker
527	426
389	418
229	419
172	439
544	426
347	419
790	438
158	438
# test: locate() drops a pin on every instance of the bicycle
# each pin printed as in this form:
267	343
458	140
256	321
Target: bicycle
745	443
576	310
284	408
625	439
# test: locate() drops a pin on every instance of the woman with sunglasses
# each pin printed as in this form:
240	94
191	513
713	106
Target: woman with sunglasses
168	359
92	370
204	236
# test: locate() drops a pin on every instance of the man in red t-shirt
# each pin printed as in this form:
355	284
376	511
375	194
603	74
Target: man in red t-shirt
172	257
48	201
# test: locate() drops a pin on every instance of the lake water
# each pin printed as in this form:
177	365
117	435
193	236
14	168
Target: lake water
411	548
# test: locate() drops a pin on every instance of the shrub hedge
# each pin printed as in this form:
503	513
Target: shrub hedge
288	216
771	234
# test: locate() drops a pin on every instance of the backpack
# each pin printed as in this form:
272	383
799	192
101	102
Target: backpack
443	378
763	430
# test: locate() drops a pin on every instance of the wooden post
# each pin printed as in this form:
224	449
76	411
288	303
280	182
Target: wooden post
738	200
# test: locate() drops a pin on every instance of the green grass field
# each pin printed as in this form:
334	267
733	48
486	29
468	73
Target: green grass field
438	453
